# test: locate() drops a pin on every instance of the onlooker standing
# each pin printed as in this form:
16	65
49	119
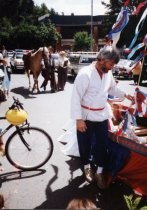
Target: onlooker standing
89	107
7	75
62	70
4	51
136	72
52	70
48	71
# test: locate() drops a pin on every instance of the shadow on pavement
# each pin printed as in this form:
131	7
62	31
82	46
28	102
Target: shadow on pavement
29	95
109	199
23	92
6	177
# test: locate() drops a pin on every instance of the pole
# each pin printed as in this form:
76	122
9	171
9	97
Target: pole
91	25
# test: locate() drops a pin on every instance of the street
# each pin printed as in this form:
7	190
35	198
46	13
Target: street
60	180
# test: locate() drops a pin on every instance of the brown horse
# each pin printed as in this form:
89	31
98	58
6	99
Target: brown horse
33	63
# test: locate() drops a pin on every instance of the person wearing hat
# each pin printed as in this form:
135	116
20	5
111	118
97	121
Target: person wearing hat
62	70
91	111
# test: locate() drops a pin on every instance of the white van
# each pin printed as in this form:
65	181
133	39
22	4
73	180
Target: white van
77	61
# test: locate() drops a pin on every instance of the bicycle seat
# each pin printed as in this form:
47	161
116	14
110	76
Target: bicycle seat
16	116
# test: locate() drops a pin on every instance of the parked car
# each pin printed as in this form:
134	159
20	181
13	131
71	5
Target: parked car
123	69
77	61
16	62
10	53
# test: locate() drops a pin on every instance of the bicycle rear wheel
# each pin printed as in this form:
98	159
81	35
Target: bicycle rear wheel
40	148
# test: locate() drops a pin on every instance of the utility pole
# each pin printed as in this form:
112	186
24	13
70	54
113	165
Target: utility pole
91	48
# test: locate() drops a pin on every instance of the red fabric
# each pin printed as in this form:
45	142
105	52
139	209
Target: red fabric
142	4
134	173
139	99
126	3
92	109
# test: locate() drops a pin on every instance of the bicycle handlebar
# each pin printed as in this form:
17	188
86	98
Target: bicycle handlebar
16	104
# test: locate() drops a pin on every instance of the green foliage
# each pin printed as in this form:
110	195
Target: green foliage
42	10
82	41
20	28
133	202
47	34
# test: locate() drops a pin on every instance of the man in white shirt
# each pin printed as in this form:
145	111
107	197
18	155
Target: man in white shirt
90	109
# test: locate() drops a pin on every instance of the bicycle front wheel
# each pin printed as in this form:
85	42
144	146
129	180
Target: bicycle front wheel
29	148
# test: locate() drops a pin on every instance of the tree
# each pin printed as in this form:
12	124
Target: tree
16	10
31	36
47	34
24	36
20	28
82	41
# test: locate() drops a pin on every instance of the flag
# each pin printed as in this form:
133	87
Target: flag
138	28
121	22
141	54
142	4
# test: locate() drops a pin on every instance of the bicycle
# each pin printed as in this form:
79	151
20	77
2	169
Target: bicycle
28	147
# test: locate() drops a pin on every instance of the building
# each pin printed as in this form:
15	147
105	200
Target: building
68	25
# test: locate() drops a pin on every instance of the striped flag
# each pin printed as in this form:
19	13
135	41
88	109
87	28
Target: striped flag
121	22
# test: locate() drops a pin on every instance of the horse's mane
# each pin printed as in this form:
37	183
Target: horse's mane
41	49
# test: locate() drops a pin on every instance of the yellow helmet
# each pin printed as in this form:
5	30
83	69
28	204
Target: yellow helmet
16	116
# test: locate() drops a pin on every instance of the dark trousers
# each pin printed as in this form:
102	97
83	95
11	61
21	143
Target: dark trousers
53	79
135	78
93	143
62	77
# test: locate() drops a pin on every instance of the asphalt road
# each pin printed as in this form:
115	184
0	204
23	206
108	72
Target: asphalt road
60	180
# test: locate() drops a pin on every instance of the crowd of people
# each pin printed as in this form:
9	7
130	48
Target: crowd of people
49	71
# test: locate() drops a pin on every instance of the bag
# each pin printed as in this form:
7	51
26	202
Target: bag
2	96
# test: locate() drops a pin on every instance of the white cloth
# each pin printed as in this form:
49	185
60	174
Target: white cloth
92	91
61	61
2	74
1	56
6	81
70	138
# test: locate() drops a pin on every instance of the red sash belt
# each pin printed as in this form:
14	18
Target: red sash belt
92	109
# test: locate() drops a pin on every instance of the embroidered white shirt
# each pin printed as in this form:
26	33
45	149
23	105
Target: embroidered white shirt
92	91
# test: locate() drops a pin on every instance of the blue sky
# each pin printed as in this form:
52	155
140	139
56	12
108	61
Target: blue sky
78	7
